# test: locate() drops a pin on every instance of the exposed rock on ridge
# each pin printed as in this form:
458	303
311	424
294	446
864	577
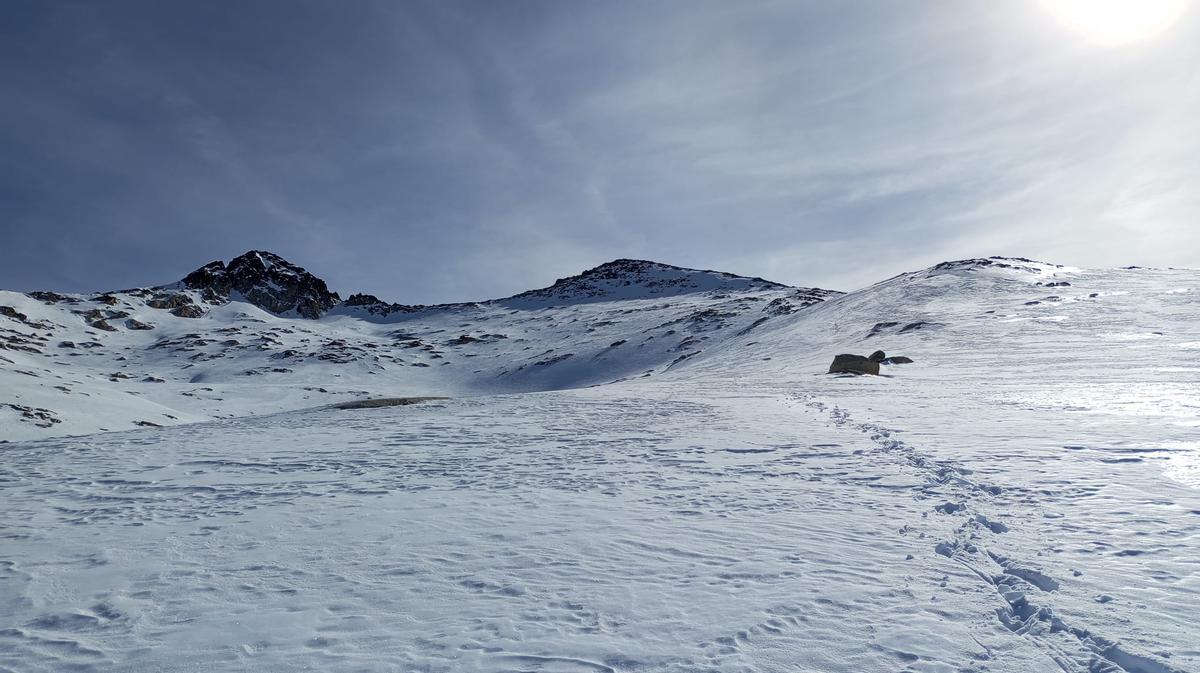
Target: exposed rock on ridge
267	281
641	278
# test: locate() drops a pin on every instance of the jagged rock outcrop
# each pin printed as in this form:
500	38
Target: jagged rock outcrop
52	297
265	280
10	312
376	306
169	301
178	303
188	311
996	262
361	299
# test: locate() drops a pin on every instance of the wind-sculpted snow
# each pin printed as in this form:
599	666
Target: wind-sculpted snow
629	527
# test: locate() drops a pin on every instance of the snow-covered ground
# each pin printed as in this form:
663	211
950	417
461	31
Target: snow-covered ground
1023	497
64	375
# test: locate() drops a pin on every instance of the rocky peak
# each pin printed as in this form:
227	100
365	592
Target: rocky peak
997	262
267	281
636	278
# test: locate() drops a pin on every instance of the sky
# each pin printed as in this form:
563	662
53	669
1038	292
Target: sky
432	151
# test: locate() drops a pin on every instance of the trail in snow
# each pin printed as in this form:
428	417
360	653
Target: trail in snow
626	528
1020	583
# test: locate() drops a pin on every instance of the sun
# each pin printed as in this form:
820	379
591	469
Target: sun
1114	22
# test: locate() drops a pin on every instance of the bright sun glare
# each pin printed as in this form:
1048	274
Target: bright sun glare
1113	22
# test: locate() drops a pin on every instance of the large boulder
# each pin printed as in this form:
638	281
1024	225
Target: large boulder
853	364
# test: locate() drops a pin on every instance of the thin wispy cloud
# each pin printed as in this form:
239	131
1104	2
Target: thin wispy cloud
443	151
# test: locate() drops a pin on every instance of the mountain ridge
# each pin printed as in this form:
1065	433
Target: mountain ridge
232	343
260	334
271	282
265	280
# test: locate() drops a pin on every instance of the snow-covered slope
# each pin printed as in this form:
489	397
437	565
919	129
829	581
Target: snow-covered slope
261	335
670	483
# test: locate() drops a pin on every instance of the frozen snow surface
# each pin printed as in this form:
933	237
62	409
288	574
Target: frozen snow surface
641	468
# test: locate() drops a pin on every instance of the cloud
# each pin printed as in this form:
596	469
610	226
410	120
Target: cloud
444	151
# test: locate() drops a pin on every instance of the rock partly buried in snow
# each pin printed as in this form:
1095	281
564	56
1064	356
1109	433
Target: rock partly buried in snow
169	301
177	303
267	281
847	363
134	323
10	312
43	418
896	360
385	402
877	356
188	311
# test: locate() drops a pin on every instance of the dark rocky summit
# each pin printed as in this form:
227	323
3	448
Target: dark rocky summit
265	280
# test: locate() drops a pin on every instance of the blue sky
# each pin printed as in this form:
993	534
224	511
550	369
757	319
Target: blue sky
441	151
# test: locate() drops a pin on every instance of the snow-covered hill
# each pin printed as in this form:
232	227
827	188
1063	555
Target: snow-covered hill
641	468
260	334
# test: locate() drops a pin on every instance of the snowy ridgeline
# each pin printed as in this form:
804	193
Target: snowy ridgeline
261	335
687	492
